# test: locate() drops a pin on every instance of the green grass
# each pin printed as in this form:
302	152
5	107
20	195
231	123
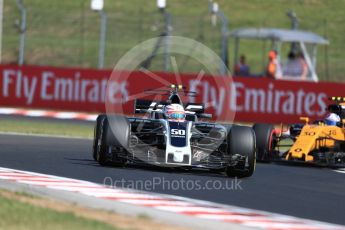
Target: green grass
25	194
65	33
16	215
60	128
143	216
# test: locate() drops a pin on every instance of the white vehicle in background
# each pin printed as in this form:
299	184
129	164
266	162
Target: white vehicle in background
304	41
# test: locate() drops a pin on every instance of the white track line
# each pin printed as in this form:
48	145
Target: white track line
340	170
44	135
47	113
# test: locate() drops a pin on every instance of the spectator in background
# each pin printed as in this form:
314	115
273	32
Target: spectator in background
292	66
241	68
301	59
295	67
273	69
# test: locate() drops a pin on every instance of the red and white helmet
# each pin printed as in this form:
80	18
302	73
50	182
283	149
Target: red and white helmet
175	112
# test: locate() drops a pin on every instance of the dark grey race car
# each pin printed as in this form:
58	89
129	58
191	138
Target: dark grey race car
120	140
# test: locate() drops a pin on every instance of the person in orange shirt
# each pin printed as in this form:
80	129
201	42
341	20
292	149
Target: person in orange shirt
273	69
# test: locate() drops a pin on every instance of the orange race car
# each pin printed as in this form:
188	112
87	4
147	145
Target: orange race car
321	142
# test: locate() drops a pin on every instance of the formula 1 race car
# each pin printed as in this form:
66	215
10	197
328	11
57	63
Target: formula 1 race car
319	143
171	136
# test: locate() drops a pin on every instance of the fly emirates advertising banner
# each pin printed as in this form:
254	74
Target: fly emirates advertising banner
87	90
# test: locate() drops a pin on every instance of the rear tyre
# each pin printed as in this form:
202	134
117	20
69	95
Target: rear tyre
241	140
96	134
264	139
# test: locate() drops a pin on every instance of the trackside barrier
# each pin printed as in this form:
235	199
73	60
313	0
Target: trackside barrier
84	90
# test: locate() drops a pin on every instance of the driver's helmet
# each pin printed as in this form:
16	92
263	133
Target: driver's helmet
175	112
332	119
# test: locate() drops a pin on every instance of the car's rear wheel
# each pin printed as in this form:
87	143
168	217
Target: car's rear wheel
264	141
241	140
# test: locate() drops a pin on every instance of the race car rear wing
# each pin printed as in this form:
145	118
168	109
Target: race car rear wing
147	106
198	110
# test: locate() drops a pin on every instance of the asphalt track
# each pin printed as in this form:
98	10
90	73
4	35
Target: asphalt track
307	192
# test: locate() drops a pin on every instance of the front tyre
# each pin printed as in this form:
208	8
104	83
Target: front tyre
97	131
101	155
241	140
112	142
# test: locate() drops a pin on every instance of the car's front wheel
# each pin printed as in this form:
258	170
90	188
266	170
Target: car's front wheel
100	144
241	140
113	141
97	131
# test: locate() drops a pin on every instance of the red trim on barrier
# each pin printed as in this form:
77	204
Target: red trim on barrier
83	90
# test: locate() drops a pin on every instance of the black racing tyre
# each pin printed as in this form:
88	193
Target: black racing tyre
101	148
114	131
241	140
96	133
118	132
264	139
